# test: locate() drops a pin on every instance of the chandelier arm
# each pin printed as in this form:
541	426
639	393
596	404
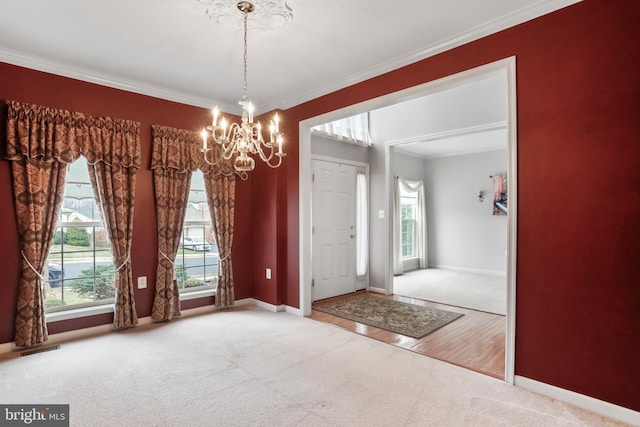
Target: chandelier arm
276	165
242	142
216	162
262	154
227	151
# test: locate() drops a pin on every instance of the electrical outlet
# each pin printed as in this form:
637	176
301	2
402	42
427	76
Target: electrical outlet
268	274
142	282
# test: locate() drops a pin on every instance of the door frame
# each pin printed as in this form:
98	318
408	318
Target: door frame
507	64
357	165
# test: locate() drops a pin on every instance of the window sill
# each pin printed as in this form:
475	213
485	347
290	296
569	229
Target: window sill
185	296
75	313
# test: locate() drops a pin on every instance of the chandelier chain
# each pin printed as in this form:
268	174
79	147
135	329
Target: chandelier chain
244	83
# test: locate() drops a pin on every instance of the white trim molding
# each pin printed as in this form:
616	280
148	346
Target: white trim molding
492	27
304	177
580	400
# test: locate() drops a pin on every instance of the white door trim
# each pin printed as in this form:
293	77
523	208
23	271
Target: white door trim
338	160
508	64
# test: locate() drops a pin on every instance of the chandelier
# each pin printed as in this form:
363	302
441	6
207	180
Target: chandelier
243	140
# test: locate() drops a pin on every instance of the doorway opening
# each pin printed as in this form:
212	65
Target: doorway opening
381	208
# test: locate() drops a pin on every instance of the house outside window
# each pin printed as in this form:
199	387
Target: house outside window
197	261
80	265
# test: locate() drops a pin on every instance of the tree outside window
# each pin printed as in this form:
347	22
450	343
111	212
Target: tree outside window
80	266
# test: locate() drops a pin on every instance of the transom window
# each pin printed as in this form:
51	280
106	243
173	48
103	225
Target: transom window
197	261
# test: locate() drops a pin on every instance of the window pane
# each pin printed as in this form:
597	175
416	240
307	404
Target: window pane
408	238
408	216
362	227
197	260
80	267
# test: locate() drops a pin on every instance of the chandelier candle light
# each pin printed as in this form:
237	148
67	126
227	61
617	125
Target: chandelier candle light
245	139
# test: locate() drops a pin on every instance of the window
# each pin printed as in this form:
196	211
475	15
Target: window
354	130
362	224
197	260
80	266
409	236
408	208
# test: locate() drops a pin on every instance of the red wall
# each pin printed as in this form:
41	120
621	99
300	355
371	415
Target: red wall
578	105
578	275
35	87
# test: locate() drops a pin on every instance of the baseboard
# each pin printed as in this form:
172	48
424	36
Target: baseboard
261	304
470	270
65	337
580	400
378	290
293	310
103	329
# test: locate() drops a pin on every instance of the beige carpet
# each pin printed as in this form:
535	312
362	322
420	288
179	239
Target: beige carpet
476	291
249	367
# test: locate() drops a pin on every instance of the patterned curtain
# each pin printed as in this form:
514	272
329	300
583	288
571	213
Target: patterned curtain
221	191
113	158
40	143
172	162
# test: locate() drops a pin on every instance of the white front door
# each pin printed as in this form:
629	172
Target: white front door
333	227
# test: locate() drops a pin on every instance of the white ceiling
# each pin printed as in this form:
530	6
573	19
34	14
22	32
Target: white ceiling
468	117
170	49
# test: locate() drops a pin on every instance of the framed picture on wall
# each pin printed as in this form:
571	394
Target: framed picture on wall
500	196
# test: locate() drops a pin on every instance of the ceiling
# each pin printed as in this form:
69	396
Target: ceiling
470	116
170	49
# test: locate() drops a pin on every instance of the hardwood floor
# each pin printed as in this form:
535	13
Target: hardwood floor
475	341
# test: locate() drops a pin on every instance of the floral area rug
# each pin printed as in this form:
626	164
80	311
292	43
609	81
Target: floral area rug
400	317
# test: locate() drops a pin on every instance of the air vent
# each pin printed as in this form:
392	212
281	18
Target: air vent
39	350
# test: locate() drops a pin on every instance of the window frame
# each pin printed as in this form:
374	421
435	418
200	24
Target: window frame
204	222
61	226
413	221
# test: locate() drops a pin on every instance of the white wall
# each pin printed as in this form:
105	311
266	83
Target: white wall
462	232
407	166
339	150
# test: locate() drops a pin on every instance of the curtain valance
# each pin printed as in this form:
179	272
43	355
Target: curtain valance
43	133
179	149
175	149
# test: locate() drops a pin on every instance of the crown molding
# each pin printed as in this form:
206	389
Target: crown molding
450	133
523	15
526	14
78	73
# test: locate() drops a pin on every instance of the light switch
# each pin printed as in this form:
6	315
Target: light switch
268	274
142	282
381	214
